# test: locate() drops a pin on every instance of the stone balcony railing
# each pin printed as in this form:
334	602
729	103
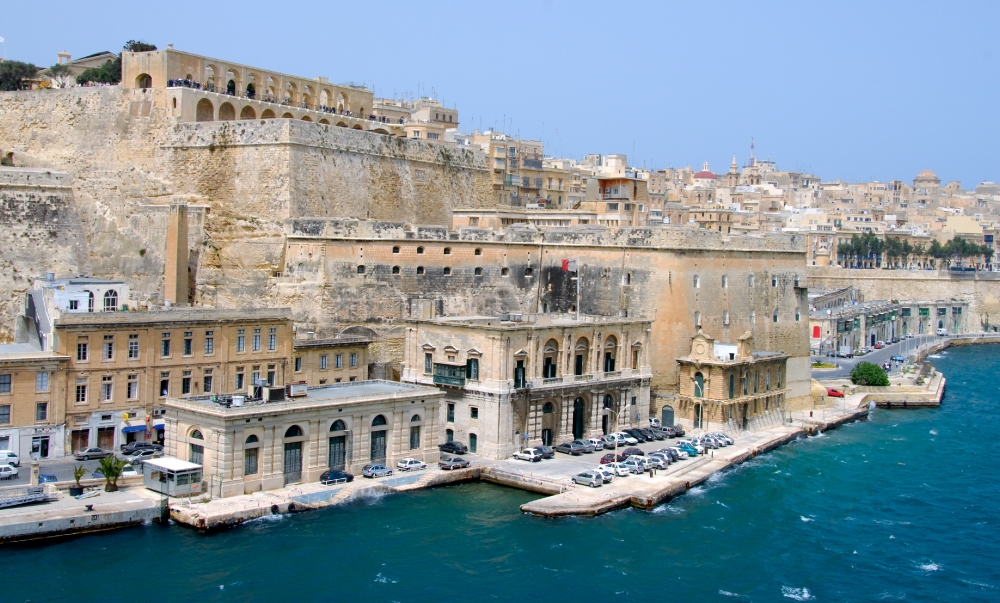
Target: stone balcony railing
563	380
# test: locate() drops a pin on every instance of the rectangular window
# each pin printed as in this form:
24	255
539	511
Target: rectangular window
81	351
338	361
5	384
188	344
42	382
271	373
241	341
133	387
4	414
107	388
250	461
428	363
164	384
165	348
298	364
41	411
74	304
255	375
209	342
186	382
256	340
472	369
207	381
474	412
239	381
272	339
81	394
323	362
451	413
109	347
354	359
133	347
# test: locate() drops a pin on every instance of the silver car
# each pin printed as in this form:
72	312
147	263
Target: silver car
90	453
658	461
588	446
589	478
605	473
597	443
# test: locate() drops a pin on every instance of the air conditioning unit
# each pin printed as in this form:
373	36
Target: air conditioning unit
299	389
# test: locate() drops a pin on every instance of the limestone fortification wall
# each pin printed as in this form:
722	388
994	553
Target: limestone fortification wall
980	289
346	272
126	158
39	226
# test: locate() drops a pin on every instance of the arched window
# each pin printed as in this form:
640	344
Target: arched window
732	385
196	435
420	269
252	439
798	315
293	432
725	281
479	271
750	281
608	401
420	249
697	282
774	280
774	315
699	385
447	270
395	269
505	272
110	300
725	317
447	250
548	408
415	418
361	269
395	249
378	420
338	425
479	251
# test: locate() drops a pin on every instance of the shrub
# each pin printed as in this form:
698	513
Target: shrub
866	373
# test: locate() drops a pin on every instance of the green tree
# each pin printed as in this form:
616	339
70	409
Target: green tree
111	72
866	373
14	75
60	74
112	467
78	472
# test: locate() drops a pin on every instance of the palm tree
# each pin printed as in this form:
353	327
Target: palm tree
112	467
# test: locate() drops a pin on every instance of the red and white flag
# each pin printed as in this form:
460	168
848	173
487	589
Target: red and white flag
569	266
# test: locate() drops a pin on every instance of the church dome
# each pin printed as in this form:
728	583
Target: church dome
705	175
927	175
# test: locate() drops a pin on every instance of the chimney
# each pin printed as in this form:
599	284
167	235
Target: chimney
175	286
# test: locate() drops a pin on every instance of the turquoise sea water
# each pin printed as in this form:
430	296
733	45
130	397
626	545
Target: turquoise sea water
901	508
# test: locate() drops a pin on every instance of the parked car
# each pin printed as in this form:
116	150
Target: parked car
608	458
453	447
834	393
589	478
9	457
633	452
898	358
908	336
688	448
90	453
335	476
47	478
694	443
618	469
654	422
626	438
547	452
708	442
657	461
587	446
528	454
145	454
454	462
652	435
410	464
719	435
597	443
375	470
942	332
605	473
672	452
895	340
843	354
638	435
635	464
129	472
679	431
681	452
879	345
663	456
610	441
136	446
571	448
8	472
668	431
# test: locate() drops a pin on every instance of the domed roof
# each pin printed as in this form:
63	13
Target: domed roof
926	175
705	174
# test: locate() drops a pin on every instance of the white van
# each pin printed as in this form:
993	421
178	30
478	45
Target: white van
942	332
7	457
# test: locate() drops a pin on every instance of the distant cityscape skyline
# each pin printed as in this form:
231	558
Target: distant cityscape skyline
877	93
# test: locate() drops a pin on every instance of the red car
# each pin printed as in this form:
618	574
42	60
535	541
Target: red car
834	393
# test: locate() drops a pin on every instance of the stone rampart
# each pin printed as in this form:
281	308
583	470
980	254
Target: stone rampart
980	289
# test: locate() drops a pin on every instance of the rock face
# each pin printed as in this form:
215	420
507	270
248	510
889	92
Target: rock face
127	159
40	231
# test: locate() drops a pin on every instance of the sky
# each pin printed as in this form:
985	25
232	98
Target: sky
845	90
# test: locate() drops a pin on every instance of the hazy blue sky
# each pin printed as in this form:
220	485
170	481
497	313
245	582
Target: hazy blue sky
853	90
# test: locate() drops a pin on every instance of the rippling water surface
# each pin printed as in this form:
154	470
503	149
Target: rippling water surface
903	507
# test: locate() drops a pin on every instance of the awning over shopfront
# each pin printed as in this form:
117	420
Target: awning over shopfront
133	428
158	427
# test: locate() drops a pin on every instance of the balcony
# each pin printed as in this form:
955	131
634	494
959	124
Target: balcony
449	374
449	380
565	380
615	193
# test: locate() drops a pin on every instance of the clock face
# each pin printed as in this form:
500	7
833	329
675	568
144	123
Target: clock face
700	348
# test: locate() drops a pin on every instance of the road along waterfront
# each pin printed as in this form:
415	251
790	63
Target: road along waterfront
886	509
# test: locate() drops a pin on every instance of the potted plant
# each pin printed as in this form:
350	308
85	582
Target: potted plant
78	472
112	468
